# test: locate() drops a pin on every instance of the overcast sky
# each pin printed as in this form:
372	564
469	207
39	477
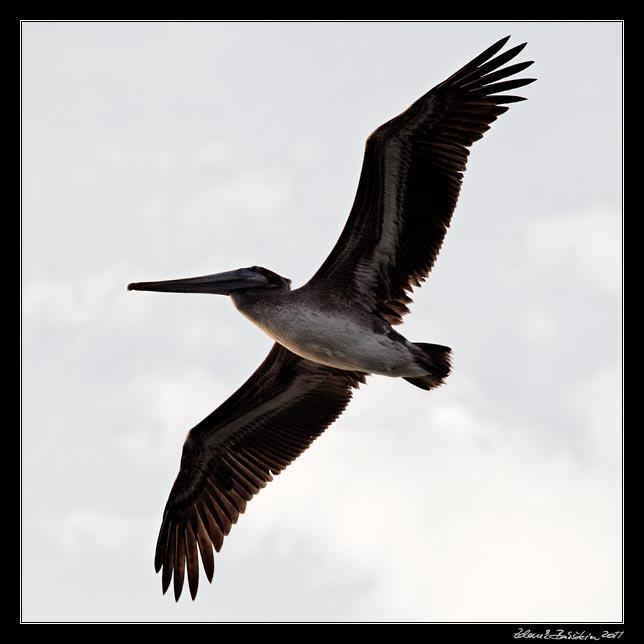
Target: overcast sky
163	150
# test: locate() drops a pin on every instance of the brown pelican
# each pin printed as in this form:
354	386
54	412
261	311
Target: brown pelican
333	331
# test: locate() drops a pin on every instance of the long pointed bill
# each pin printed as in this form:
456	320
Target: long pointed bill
219	283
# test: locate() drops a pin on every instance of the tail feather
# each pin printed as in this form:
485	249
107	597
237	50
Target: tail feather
436	359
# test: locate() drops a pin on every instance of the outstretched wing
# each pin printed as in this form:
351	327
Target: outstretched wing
228	457
411	177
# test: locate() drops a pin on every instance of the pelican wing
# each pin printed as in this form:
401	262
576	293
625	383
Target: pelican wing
410	181
228	457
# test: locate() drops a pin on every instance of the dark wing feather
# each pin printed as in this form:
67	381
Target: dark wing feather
231	455
410	181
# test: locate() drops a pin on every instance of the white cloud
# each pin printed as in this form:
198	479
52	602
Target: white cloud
586	244
450	515
167	158
212	153
598	400
81	301
306	152
98	528
537	324
171	403
255	192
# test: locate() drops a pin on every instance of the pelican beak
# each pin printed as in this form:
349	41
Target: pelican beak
219	283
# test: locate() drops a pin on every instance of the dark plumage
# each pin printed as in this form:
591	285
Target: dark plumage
429	143
226	461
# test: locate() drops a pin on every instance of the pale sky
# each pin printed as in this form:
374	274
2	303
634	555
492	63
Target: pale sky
164	150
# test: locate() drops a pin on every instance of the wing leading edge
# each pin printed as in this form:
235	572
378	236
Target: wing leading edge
409	185
228	457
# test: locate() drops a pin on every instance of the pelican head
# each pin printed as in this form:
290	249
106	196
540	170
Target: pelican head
225	283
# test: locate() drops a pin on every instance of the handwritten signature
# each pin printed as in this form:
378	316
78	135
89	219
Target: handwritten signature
560	634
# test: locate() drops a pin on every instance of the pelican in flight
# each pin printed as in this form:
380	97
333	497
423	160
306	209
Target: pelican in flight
337	328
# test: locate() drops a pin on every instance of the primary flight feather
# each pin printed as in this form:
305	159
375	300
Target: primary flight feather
336	329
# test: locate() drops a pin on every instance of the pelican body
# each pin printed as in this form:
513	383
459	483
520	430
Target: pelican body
337	328
317	326
337	335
